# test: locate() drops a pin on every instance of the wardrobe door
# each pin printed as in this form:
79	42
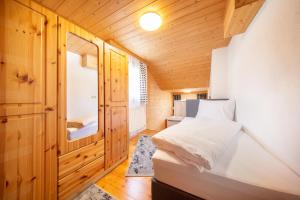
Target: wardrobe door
80	109
116	105
22	101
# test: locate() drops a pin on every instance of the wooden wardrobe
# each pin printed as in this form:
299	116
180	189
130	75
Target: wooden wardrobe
36	159
116	106
28	101
81	161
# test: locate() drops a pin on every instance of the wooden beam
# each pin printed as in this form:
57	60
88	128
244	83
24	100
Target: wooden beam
239	14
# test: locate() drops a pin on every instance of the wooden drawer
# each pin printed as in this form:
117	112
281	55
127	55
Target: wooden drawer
74	160
73	184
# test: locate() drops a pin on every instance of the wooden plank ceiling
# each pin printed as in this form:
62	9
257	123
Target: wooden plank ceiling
80	46
178	54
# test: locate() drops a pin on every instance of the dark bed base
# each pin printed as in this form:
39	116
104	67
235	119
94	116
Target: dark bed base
162	191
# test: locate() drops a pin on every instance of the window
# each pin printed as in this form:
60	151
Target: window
202	96
177	97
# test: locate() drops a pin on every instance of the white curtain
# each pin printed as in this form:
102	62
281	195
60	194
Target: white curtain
134	82
137	74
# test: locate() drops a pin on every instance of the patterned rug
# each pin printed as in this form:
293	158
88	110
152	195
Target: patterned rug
141	163
94	193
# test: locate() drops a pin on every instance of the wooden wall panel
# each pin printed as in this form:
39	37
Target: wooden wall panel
159	106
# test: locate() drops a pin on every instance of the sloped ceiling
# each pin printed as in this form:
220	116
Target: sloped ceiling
178	54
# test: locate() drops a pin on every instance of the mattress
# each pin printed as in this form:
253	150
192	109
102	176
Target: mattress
244	171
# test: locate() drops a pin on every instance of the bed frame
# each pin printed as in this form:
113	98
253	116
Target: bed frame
162	191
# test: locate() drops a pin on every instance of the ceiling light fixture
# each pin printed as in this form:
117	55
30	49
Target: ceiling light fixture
150	21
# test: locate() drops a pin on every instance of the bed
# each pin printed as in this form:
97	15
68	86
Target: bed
244	171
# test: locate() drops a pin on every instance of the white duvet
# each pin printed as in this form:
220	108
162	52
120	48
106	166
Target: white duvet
198	141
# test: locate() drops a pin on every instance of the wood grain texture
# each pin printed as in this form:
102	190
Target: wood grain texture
80	161
116	105
159	106
22	101
22	163
79	46
74	160
190	30
66	146
239	14
51	99
26	96
127	188
71	185
51	102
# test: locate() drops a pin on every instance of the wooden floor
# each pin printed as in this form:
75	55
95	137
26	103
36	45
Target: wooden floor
127	188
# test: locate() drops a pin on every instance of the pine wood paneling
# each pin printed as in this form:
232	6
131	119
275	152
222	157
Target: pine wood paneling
74	160
119	133
116	105
159	107
51	102
23	101
79	46
66	146
22	157
239	14
190	28
80	161
24	80
73	184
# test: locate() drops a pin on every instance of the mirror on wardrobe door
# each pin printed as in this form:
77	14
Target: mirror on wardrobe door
82	88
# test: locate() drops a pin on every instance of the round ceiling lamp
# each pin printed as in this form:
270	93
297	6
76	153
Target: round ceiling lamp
150	21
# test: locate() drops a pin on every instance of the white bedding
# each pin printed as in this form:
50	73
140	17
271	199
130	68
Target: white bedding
198	141
245	171
87	130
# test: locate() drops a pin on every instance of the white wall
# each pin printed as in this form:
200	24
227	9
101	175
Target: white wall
82	89
218	76
264	78
137	119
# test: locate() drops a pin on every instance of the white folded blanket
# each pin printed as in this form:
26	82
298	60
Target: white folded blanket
198	141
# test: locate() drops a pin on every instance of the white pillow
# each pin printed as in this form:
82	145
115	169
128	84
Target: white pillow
216	109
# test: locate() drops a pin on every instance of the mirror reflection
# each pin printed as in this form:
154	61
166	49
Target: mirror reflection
82	87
